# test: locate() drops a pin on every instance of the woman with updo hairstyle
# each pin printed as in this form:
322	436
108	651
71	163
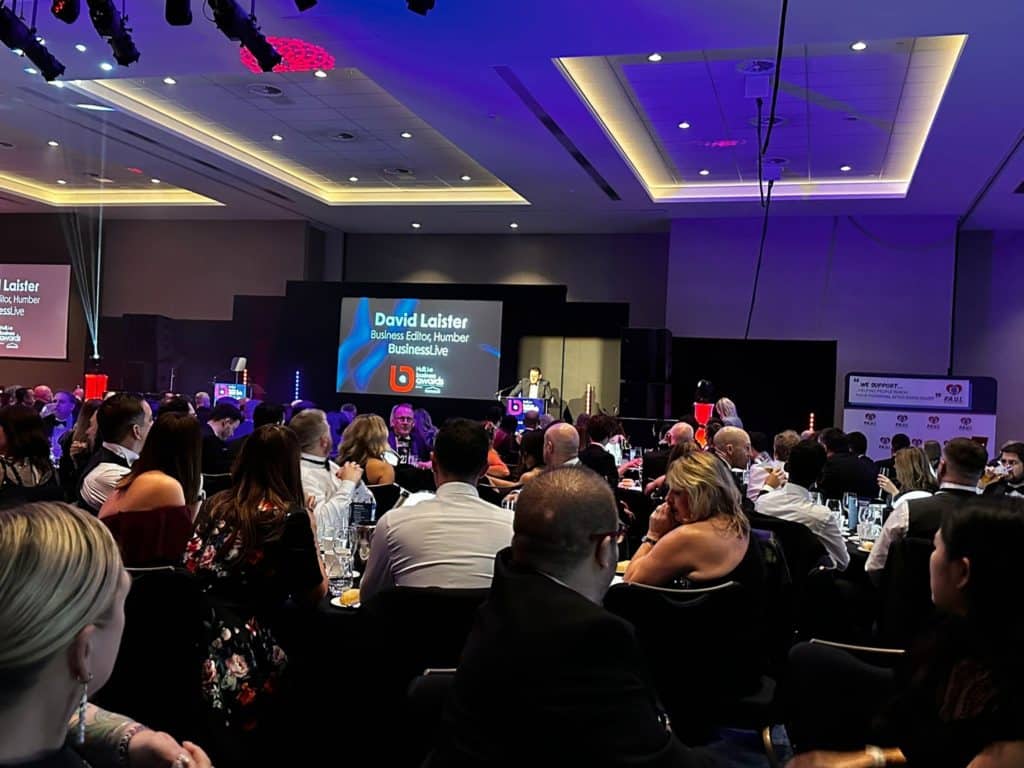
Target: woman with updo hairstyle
700	535
62	593
365	441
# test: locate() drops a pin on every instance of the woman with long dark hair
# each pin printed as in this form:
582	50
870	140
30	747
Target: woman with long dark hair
26	471
151	509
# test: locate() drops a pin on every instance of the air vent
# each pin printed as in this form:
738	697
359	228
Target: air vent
404	173
264	90
6	145
757	67
344	136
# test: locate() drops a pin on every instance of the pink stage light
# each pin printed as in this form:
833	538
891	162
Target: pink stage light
296	56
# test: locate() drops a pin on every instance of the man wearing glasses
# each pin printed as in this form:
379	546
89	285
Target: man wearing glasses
548	676
407	443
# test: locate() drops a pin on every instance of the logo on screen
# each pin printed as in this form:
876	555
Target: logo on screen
965	423
401	378
869	418
884	442
902	418
916	442
514	406
933	419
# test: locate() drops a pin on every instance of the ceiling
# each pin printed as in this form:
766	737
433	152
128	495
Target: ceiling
546	113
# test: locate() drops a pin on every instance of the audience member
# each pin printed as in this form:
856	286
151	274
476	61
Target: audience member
933	450
505	439
43	397
449	541
859	447
725	410
700	534
655	462
267	413
172	403
217	430
123	421
844	472
424	425
364	442
793	501
350	410
26	471
24	396
959	698
330	486
594	456
547	675
732	446
61	419
914	478
898	443
561	446
62	593
1011	483
76	448
410	446
150	511
495	466
962	464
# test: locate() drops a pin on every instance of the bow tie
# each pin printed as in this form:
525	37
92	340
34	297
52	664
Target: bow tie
326	463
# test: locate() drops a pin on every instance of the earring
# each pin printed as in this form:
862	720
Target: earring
82	702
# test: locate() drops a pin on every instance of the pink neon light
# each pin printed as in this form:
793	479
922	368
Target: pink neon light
297	56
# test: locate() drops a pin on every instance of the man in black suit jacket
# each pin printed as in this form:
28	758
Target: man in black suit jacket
525	387
218	429
594	456
844	472
548	676
898	443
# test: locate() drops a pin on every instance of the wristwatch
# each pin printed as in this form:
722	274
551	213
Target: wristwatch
648	540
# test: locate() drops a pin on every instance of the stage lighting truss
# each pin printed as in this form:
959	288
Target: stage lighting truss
238	25
17	36
112	26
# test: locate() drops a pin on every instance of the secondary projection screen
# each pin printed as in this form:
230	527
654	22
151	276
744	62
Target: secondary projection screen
419	347
34	310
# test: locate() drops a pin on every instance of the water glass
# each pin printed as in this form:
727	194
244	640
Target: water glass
817	499
863	518
874	526
835	507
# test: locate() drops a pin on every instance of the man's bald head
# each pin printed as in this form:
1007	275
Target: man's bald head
680	433
556	516
561	444
733	445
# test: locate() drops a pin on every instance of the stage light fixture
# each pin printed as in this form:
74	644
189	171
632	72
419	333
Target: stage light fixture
236	24
16	35
113	27
66	10
420	6
304	5
178	12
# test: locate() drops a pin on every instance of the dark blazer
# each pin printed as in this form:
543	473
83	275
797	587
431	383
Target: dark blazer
418	447
522	389
926	514
217	454
656	463
844	473
598	459
549	678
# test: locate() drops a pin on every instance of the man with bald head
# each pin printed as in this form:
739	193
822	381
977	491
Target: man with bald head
656	462
561	446
547	670
732	446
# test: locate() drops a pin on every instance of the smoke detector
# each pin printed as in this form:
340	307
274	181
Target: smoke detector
344	136
265	90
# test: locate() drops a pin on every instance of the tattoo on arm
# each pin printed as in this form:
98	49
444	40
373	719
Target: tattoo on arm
103	733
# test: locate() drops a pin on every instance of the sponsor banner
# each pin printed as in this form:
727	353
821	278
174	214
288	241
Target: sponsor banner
880	425
905	392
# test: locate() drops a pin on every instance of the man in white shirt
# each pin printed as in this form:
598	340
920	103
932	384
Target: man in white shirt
123	422
561	446
960	469
448	541
330	486
765	465
793	501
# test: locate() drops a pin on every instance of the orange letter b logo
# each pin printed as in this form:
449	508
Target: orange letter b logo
401	378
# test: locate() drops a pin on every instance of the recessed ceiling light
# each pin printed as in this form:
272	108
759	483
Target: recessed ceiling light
277	137
95	107
80	48
41	40
32	70
320	73
860	45
654	57
704	172
61	182
466	177
170	81
416	225
405	135
353	179
155	181
53	143
103	180
513	225
845	168
17	51
56	83
106	66
684	125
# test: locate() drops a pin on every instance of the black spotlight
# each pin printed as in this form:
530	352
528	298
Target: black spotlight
420	6
178	12
112	27
66	10
236	24
304	5
17	36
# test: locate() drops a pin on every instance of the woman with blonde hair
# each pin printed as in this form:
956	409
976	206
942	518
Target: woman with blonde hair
914	479
700	534
365	441
62	593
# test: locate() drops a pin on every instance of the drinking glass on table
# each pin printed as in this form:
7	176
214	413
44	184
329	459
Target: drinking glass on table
835	507
816	498
887	474
863	518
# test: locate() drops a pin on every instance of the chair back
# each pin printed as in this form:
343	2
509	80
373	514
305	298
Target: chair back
386	495
906	595
415	479
778	600
697	644
424	703
803	550
213	484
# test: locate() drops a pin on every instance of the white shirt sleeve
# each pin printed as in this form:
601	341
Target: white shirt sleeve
100	483
894	530
835	544
378	574
332	510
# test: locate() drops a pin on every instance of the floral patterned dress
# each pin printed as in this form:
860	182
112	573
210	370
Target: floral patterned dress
246	587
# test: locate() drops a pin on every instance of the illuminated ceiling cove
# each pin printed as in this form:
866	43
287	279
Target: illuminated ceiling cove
852	123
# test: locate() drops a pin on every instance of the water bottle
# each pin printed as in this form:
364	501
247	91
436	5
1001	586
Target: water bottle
850	502
363	507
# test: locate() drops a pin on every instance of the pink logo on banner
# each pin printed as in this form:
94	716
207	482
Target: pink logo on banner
902	418
869	418
965	423
933	419
954	389
884	442
916	442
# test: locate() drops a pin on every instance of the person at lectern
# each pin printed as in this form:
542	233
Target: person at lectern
533	386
